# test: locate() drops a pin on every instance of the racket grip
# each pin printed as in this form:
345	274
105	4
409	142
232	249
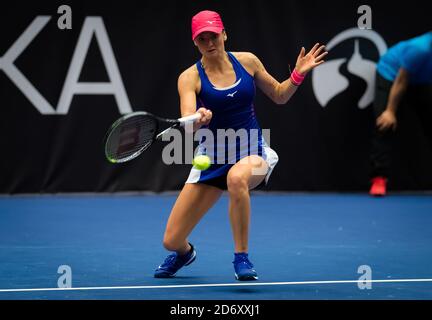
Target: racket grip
193	117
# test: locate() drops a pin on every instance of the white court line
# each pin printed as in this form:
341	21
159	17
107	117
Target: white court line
218	285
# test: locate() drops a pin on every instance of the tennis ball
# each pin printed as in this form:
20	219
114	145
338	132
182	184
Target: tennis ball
201	162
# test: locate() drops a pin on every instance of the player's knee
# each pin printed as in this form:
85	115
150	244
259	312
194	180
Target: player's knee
237	183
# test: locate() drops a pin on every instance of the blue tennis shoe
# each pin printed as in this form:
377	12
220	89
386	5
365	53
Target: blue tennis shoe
244	270
174	263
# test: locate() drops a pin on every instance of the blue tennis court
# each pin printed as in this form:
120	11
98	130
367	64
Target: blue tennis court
304	246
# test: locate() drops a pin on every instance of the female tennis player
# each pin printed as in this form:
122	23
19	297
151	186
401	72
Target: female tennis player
221	85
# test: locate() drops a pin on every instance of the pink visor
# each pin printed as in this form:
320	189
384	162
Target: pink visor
206	21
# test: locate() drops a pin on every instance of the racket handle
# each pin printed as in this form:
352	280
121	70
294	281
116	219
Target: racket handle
194	117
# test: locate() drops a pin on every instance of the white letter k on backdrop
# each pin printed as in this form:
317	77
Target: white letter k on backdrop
71	87
17	77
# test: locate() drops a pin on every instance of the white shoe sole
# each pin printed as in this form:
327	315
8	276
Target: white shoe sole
246	279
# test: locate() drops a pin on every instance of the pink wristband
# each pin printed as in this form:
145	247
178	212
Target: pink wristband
297	78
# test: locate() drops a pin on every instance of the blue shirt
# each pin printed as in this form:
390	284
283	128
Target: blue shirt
414	55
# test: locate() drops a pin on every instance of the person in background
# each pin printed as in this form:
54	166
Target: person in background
404	77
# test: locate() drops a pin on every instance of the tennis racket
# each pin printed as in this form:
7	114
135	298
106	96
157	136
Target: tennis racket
134	133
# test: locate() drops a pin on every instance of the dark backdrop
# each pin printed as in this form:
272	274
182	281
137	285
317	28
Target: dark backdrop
320	148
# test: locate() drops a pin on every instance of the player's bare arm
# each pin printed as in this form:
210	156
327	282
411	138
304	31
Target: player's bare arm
278	92
188	87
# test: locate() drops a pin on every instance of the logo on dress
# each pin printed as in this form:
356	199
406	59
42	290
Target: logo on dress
231	94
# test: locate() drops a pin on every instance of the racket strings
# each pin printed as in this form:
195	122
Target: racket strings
130	136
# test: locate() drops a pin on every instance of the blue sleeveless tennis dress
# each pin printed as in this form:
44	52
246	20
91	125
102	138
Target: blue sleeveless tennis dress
234	132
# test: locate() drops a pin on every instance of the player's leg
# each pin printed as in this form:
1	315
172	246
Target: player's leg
192	203
243	176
